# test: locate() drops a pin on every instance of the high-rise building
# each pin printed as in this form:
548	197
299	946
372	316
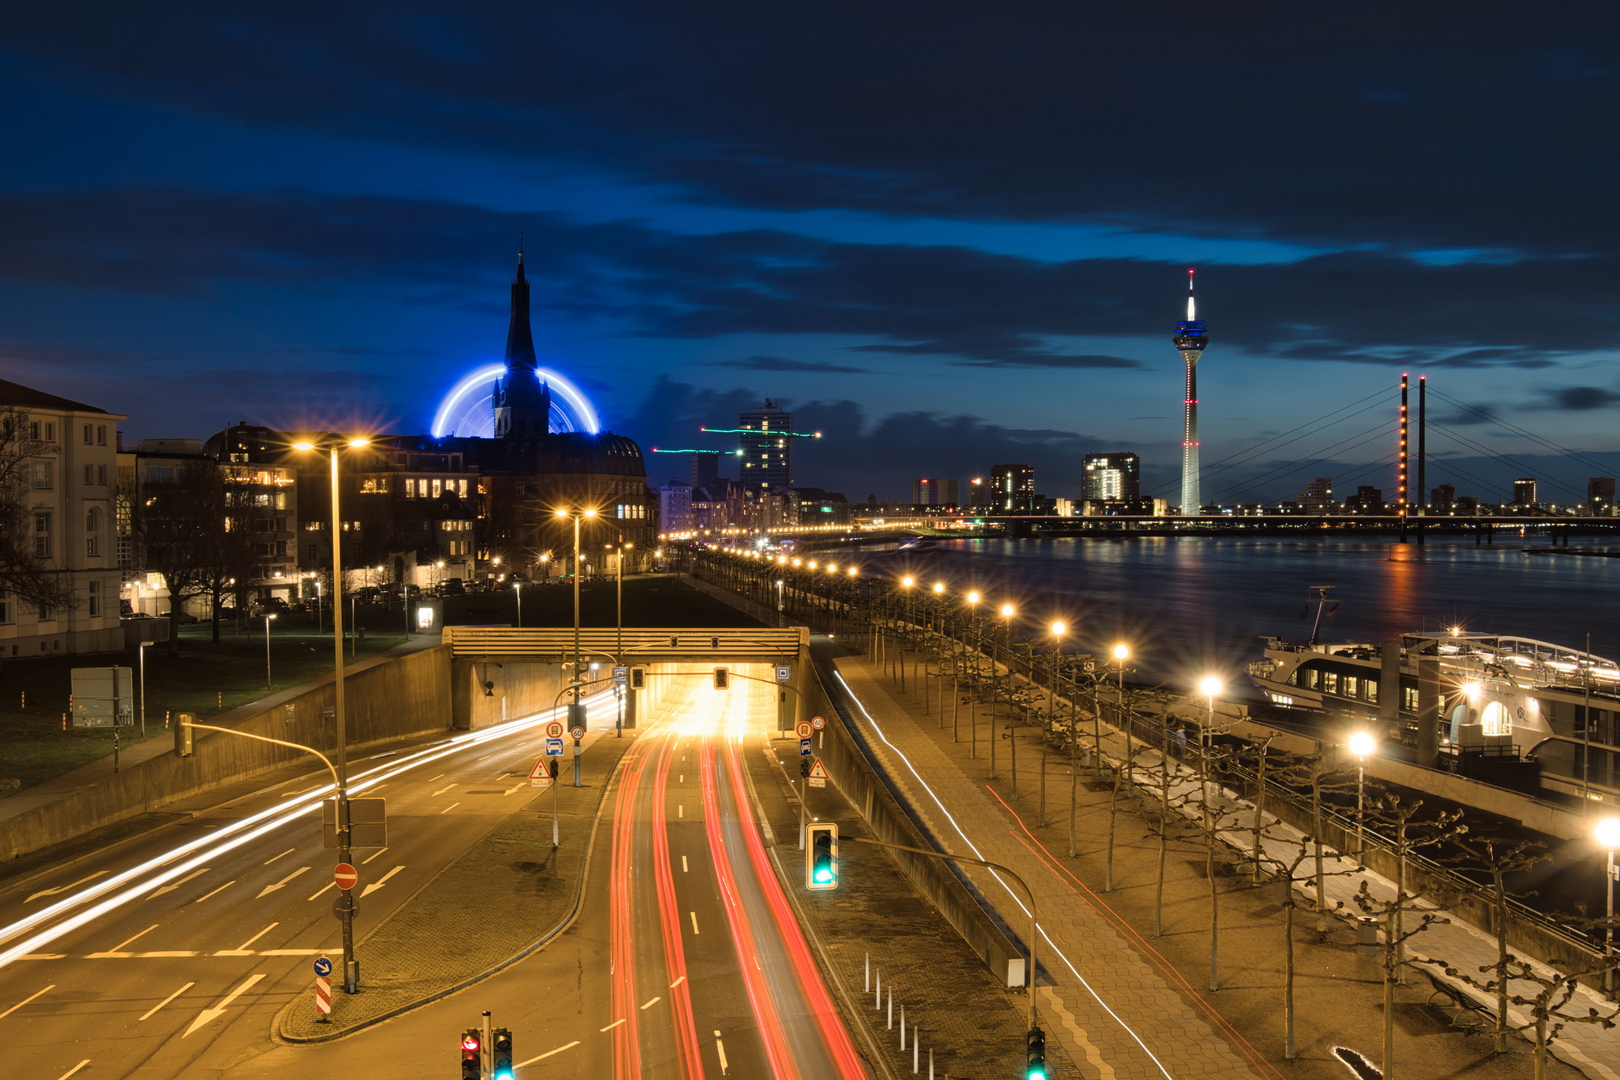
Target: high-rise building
1111	477
766	447
1443	497
1190	339
1524	491
936	491
1600	495
1012	488
675	506
1317	498
705	469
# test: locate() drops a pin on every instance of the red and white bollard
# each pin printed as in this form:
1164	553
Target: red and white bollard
323	997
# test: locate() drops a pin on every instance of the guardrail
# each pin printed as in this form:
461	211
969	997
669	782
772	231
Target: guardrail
639	644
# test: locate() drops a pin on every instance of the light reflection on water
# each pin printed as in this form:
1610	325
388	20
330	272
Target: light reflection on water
1191	605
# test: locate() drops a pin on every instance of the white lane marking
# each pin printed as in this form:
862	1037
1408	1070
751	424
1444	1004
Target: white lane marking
720	1046
216	892
651	1003
268	889
694	921
292	952
328	885
118	950
547	1054
219	1010
368	858
73	1070
680	810
26	1000
449	808
63	888
243	950
613	1025
379	883
43	956
166	1000
684	868
683	778
170	955
295	794
170	888
283	855
677	982
514	787
446	788
431	779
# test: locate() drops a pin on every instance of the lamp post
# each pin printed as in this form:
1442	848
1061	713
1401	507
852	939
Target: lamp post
345	902
545	565
939	594
1051	710
577	515
142	648
1121	654
618	724
1007	612
517	589
1607	833
1361	744
1209	686
978	655
267	683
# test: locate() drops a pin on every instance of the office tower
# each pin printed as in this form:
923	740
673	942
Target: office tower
1012	488
1524	491
1113	477
1190	339
766	447
936	491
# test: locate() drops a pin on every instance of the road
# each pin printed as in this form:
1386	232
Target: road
686	960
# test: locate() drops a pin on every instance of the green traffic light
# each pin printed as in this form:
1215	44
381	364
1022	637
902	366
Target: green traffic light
823	875
1037	1074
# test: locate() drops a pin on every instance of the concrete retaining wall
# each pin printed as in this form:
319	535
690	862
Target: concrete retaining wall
860	782
403	697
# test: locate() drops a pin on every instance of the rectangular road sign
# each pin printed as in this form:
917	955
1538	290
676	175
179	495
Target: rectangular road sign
554	748
619	675
804	747
783	673
95	704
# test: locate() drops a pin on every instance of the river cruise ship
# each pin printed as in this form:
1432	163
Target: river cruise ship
1540	718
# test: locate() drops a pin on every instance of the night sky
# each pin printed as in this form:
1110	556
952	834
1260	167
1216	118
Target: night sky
945	234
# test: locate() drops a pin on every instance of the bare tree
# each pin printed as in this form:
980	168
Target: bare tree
180	529
23	571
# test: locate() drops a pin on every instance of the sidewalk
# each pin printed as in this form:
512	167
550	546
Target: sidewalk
1126	1004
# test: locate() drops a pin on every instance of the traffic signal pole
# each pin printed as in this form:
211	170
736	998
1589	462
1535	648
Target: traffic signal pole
1029	978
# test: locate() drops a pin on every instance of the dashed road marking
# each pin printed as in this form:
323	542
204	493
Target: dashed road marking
328	885
166	1000
721	1047
118	950
651	1003
216	892
548	1053
242	950
368	858
449	808
694	921
684	868
26	1000
613	1025
73	1070
284	854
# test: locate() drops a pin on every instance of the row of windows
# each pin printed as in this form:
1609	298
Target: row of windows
632	510
8	606
100	433
423	488
95	475
1343	684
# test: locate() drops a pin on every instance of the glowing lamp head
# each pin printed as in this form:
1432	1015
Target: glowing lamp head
562	513
1006	611
1210	686
1362	743
973	598
1121	652
908	581
590	511
852	571
1057	629
1607	832
939	587
304	445
1472	690
359	441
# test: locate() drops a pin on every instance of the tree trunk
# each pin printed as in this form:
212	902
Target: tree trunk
1289	1053
1259	808
1501	960
1389	998
1316	841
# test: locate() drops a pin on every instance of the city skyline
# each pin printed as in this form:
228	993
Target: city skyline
202	238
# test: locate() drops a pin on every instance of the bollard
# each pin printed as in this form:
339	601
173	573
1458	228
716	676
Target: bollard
878	1002
868	973
891	1008
165	719
930	1063
64	721
915	1060
902	1029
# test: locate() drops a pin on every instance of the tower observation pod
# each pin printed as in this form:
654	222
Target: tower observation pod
1190	339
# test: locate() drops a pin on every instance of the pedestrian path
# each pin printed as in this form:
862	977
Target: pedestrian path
1117	1007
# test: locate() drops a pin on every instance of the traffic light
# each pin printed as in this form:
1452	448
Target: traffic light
638	678
804	767
501	1040
551	764
821	857
472	1065
722	679
1035	1055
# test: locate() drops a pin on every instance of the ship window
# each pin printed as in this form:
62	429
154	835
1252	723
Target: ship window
1409	698
1496	720
1330	682
1352	686
1310	678
1372	691
1293	677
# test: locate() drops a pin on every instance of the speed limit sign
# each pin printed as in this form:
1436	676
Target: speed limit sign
818	722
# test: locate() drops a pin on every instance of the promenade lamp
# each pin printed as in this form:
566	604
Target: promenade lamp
1058	629
345	902
268	684
1007	612
1361	744
517	590
578	514
1607	833
618	657
939	596
906	583
545	565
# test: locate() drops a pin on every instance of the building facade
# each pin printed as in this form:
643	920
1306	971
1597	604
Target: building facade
936	491
60	468
1012	489
1115	477
765	447
1317	498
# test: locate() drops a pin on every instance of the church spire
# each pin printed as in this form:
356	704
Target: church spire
519	339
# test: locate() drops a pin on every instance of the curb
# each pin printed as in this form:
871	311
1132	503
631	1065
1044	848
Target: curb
562	925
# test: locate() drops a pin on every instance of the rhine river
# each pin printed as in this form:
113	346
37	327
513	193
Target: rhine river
1190	606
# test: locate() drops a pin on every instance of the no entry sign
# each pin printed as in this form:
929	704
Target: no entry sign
346	876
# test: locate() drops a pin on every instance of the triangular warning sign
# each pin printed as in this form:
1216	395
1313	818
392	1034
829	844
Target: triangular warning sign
818	771
540	771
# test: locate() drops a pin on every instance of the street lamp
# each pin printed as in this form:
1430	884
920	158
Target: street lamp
1607	833
267	683
1051	713
1361	744
576	514
1209	686
345	903
1007	612
618	727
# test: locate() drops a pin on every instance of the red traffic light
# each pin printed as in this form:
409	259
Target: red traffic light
469	1044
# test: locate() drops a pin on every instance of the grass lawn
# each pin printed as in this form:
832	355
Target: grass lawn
207	679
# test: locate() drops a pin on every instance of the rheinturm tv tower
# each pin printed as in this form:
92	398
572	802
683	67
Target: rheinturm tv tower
1191	337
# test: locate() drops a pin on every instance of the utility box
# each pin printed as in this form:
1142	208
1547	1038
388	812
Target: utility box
103	697
182	733
427	615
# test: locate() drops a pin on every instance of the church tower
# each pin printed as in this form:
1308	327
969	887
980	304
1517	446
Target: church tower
521	401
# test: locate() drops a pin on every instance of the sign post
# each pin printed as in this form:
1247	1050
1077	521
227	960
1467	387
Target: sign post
554	749
803	729
819	723
578	733
323	989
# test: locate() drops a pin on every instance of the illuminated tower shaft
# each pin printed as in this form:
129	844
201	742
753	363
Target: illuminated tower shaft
1191	337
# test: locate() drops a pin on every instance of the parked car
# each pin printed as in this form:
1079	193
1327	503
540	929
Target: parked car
185	618
452	587
273	605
